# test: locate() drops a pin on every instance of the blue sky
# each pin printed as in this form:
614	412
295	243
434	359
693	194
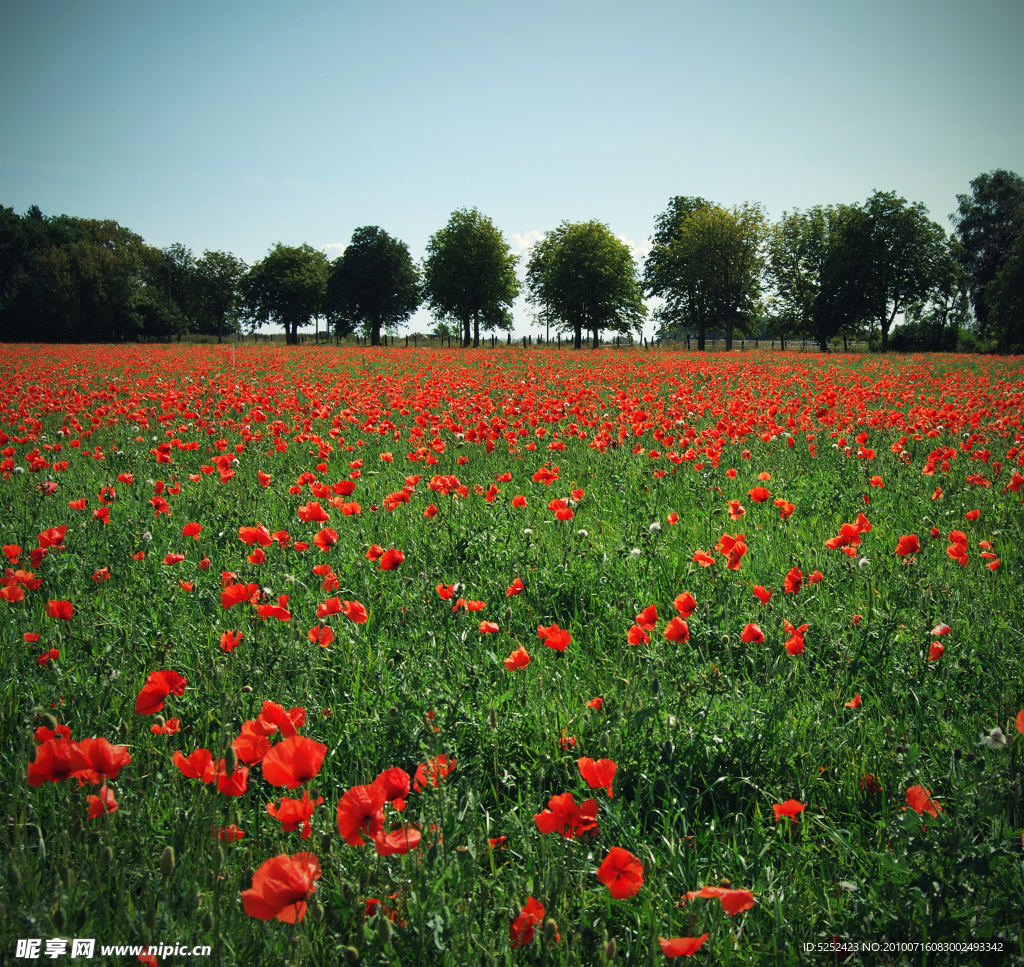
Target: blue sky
233	126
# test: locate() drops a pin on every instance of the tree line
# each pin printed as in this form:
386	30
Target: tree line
881	270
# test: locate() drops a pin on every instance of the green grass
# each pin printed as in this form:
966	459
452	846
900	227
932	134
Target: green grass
708	734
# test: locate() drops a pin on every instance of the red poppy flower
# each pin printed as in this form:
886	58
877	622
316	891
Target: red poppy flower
599	774
759	494
53	536
375	552
47	656
198	765
234	784
941	629
281	887
622	873
432	772
791	808
278	610
815	577
794	581
935	652
56	759
328	607
324	539
170	727
732	547
158	686
519	501
761	594
597	703
523	929
255	535
236	593
293	761
733	901
396	784
554	637
60	609
870	784
907	544
685	604
78	504
104	759
516	587
391	559
636	635
321	635
854	702
361	811
563	816
431	511
192	530
677	630
518	659
681	946
313	513
293	813
920	800
648	618
703	558
354	611
972	515
490	628
398	841
230	640
752	632
251	747
102	804
273	717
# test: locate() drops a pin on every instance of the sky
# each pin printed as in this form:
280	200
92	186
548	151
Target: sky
233	126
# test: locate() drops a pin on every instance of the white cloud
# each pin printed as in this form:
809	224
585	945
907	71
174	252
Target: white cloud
334	249
521	244
641	251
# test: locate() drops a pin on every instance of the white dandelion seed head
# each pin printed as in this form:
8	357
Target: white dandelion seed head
655	527
863	562
635	553
994	739
268	593
19	469
582	533
527	532
147	537
153	439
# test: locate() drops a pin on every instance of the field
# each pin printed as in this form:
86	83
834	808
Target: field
579	650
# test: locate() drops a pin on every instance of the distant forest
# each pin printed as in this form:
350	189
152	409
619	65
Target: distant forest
880	271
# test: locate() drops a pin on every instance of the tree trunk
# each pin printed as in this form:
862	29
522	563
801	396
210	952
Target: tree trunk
578	336
467	337
728	338
220	328
374	332
476	330
701	338
596	336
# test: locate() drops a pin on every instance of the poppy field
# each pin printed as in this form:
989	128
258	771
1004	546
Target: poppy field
344	655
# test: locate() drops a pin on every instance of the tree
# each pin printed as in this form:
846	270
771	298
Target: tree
219	278
905	257
374	283
287	287
1004	296
983	222
707	263
469	275
816	265
584	280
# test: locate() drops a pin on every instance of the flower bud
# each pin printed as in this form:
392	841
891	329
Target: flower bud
492	718
550	929
207	922
325	843
166	862
384	929
230	761
108	856
58	919
610	949
49	721
350	954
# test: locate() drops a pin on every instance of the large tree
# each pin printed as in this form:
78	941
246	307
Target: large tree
707	264
816	267
584	279
984	224
219	279
1004	296
287	288
906	252
373	284
469	275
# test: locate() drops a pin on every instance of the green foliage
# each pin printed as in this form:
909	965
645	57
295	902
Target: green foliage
984	223
584	279
287	287
374	283
219	277
707	264
469	275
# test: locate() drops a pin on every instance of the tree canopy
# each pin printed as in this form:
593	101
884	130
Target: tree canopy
707	264
287	287
469	275
373	284
584	279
